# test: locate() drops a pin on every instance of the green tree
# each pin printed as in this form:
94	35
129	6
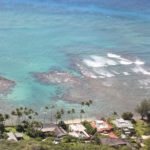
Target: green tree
127	115
62	113
72	113
81	114
2	127
58	116
51	112
68	112
143	108
63	125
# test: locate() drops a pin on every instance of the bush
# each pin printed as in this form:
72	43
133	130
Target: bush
69	139
34	133
127	115
20	128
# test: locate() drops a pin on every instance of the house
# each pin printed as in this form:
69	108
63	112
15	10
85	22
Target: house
113	142
104	128
101	126
121	123
53	129
14	136
125	125
78	131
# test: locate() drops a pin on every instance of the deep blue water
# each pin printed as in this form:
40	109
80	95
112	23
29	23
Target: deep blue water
43	35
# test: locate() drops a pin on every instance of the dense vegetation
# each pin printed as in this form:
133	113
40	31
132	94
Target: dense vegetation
26	122
47	145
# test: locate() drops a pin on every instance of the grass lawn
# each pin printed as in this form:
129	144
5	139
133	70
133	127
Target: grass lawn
11	129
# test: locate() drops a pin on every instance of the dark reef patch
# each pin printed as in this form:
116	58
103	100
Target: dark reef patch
55	77
6	85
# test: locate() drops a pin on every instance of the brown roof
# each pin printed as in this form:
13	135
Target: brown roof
53	128
59	132
112	141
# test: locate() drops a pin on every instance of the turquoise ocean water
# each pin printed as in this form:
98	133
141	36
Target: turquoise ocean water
38	36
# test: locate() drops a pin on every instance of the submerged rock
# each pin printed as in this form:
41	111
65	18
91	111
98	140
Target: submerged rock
6	85
55	77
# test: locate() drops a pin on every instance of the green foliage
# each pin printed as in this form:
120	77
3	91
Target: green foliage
147	144
89	129
20	128
127	115
63	125
143	109
142	128
2	128
36	145
70	139
34	133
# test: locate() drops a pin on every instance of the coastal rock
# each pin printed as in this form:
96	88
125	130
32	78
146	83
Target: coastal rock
6	85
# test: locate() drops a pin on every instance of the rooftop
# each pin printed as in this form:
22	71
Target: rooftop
101	125
121	123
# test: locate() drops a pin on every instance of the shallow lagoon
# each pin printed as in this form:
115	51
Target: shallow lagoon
33	39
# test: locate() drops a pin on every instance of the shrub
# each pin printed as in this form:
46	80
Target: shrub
34	133
69	139
127	115
20	128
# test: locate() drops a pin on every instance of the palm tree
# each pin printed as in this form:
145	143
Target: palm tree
2	119
91	102
81	113
45	113
18	114
68	112
6	117
57	116
51	112
72	112
62	112
82	103
87	104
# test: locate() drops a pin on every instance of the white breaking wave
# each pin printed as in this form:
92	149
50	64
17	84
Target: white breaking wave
100	66
139	69
121	60
98	61
145	82
139	62
104	73
86	73
126	73
110	55
124	61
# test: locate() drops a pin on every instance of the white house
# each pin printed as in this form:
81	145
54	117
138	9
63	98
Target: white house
121	123
78	130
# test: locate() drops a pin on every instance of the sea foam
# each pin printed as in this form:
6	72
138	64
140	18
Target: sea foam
111	55
139	69
98	61
104	73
